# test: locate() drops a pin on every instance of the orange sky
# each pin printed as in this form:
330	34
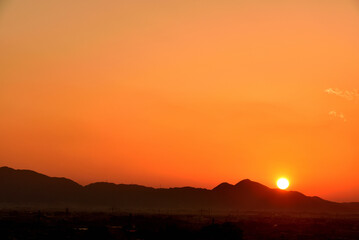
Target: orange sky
182	92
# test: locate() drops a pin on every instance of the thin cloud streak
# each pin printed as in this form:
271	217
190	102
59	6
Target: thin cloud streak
346	94
339	115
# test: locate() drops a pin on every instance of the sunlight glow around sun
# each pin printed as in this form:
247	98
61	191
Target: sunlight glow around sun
282	183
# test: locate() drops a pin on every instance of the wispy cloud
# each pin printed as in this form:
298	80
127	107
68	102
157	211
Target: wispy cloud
339	115
348	95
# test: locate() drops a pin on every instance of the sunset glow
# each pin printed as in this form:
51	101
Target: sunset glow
183	93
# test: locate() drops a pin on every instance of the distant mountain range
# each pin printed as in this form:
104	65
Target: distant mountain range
25	188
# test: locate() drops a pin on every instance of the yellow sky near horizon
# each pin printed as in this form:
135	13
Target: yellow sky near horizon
174	93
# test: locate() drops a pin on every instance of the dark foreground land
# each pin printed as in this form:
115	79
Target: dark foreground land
17	224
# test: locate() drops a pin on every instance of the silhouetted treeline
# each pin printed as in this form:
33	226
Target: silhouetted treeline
38	225
108	226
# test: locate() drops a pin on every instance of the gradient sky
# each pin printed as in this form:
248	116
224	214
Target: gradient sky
182	92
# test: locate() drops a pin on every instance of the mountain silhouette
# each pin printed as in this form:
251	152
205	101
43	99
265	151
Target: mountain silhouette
31	189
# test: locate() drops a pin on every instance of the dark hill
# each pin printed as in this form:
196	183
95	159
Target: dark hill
19	186
28	188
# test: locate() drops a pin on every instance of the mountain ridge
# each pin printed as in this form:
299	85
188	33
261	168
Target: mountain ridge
26	187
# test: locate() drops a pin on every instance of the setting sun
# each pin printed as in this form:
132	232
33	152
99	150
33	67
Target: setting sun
282	183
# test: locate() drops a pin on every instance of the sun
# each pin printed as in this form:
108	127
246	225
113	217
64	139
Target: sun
282	183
